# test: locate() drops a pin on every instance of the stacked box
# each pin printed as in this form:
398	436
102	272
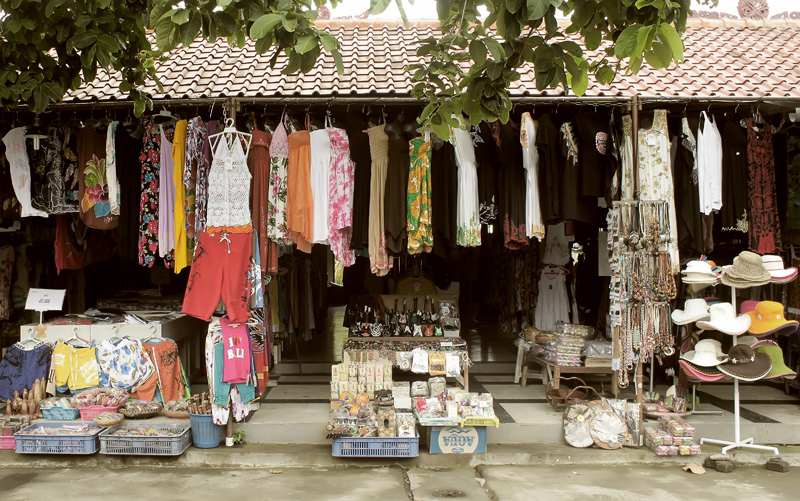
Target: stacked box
674	436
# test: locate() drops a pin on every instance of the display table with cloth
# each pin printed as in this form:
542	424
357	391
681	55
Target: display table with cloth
551	373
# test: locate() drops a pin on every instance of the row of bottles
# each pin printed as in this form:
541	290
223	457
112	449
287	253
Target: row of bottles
398	321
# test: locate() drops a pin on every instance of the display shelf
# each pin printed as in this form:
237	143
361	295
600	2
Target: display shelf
738	442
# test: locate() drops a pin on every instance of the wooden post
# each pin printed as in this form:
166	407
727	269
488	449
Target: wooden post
638	378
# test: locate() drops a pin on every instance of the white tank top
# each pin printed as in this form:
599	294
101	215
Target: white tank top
228	186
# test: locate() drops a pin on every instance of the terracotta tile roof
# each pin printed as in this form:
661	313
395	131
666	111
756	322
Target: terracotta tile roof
722	59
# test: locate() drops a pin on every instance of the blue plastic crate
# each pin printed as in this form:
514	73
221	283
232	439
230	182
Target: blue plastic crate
158	445
374	447
28	443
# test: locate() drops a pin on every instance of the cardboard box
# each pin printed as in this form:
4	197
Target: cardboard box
456	439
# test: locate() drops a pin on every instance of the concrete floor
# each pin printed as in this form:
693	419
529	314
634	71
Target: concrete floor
389	483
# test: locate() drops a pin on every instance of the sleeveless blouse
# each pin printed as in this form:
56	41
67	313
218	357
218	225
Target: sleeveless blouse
229	188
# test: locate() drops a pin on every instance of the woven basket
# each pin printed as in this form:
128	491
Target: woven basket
90	412
561	398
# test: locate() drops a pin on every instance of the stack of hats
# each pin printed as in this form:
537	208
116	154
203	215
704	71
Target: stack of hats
693	310
746	271
699	272
774	266
766	318
722	318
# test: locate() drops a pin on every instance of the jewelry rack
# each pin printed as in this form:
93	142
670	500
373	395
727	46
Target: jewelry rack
738	442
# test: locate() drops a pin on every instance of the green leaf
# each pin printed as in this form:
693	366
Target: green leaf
305	44
659	56
605	74
670	36
513	6
180	17
644	38
593	37
264	25
290	24
51	7
82	40
495	49
224	3
579	81
190	30
337	57
138	106
328	42
378	6
537	9
626	42
477	51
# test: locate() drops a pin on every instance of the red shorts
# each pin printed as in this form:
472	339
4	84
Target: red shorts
219	270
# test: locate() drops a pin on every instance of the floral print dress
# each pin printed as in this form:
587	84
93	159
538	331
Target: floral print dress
150	159
276	199
341	181
418	203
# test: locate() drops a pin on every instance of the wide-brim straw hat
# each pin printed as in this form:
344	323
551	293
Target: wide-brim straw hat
767	318
747	270
722	318
745	364
779	367
693	310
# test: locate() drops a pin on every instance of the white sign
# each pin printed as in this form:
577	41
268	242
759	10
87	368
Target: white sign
458	440
45	299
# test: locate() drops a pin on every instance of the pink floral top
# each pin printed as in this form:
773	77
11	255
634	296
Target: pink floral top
340	197
276	195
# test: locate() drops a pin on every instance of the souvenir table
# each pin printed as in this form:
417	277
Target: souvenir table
551	373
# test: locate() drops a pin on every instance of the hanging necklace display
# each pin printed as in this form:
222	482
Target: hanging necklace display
641	282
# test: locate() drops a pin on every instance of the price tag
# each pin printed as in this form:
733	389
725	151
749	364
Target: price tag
445	344
615	364
45	299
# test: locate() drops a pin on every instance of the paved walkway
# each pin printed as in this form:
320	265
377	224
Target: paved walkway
390	483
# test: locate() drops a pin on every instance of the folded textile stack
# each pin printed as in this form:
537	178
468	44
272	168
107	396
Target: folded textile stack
673	437
597	354
565	351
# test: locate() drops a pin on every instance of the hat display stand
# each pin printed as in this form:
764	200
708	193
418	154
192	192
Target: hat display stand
738	442
683	335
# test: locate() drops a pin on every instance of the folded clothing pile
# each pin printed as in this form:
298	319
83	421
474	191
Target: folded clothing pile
673	437
565	351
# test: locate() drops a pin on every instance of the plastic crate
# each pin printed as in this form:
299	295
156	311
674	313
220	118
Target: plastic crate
166	445
26	443
8	443
373	447
60	414
92	411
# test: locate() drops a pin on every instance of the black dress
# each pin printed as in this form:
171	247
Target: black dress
734	214
444	197
513	188
394	199
550	167
359	154
687	198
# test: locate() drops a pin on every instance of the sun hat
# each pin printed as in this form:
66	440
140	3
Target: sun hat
698	272
747	270
693	310
745	364
723	319
747	305
702	374
779	367
774	266
706	353
767	318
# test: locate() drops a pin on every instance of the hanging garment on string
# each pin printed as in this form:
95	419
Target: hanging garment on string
111	168
340	197
229	187
513	186
182	251
709	165
380	264
320	144
299	199
765	228
166	197
266	250
95	208
420	221
655	173
276	199
17	158
150	158
734	213
168	379
552	303
394	197
123	363
468	209
21	367
534	226
219	270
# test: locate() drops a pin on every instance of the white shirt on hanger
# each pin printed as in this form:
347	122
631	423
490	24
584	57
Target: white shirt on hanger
709	165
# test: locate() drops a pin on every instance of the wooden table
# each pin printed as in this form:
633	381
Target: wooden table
551	373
